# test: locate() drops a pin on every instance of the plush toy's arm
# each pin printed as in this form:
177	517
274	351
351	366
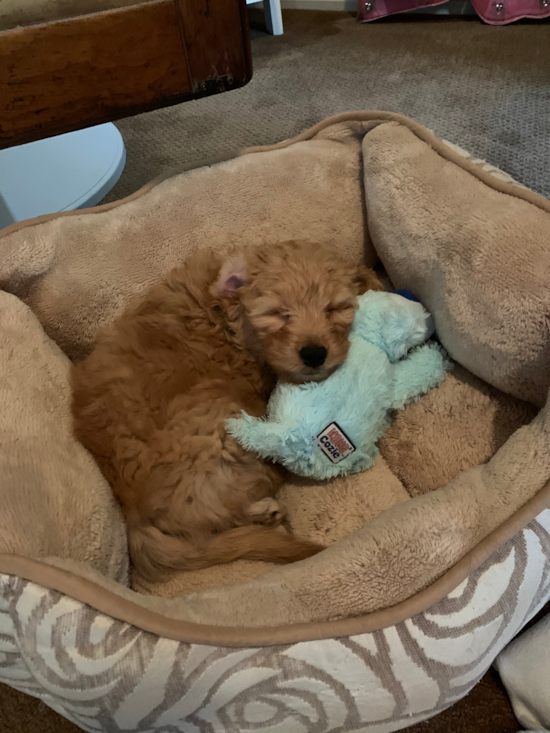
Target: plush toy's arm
257	435
422	370
393	322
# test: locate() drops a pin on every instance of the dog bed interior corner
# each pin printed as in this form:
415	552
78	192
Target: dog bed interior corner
436	557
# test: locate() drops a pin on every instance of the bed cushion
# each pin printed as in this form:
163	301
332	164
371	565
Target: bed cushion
53	498
455	427
478	259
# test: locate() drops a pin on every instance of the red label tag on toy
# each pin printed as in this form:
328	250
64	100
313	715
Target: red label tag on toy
334	443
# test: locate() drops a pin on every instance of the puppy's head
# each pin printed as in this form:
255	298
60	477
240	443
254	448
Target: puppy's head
298	301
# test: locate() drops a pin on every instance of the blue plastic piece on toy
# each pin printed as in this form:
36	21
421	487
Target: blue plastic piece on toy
406	294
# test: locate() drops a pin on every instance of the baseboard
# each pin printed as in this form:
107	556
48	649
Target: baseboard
454	7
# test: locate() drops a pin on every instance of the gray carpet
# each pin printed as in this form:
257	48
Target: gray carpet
485	88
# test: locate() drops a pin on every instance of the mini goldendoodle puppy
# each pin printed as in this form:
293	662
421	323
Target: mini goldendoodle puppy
151	400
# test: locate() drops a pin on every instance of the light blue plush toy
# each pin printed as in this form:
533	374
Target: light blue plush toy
330	428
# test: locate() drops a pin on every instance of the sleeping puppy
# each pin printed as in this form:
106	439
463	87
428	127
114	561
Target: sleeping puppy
151	400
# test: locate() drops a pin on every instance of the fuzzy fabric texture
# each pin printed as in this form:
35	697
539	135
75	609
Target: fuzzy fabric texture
459	425
53	498
326	429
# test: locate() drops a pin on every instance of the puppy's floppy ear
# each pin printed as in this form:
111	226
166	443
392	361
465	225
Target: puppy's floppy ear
232	277
365	279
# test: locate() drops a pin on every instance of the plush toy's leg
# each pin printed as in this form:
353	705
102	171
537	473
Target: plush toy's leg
259	436
415	375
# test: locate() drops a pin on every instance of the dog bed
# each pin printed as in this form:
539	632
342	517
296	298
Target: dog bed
436	557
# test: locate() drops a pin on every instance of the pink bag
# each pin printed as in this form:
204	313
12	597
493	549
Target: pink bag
495	12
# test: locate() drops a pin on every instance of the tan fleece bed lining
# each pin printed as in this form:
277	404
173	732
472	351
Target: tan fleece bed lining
121	603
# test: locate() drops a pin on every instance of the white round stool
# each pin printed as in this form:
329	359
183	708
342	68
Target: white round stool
61	173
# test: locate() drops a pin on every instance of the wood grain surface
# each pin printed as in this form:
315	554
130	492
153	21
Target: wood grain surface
215	37
64	75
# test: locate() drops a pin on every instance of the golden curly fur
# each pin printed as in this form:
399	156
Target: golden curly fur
151	400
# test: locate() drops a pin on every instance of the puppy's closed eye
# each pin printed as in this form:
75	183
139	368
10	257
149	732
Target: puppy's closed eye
341	313
268	317
268	324
283	315
339	308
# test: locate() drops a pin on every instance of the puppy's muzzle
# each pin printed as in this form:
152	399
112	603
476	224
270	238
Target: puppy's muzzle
313	356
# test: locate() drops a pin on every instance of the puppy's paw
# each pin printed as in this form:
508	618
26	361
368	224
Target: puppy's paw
266	511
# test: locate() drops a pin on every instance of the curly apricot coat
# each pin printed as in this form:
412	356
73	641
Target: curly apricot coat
151	400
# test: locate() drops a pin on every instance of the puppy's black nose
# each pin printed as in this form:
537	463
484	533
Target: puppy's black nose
313	356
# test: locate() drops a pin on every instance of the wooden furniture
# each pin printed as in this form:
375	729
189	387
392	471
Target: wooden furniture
67	74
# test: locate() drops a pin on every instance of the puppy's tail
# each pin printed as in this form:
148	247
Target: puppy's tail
154	552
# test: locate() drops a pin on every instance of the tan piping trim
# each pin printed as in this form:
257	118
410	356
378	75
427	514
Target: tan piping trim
420	131
122	609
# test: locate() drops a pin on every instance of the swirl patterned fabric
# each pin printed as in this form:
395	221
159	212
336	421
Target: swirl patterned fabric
106	675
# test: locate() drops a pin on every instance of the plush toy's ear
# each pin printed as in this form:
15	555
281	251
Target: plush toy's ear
391	322
406	324
232	276
366	279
